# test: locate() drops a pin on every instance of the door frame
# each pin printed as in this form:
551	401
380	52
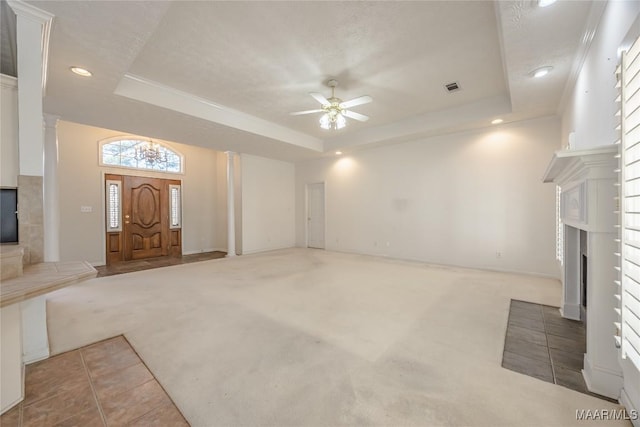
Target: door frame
306	212
103	205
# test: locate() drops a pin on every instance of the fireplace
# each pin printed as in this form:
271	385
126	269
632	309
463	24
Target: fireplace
588	271
583	275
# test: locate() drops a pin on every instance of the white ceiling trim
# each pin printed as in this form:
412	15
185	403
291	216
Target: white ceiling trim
44	18
503	54
426	124
595	14
8	82
148	91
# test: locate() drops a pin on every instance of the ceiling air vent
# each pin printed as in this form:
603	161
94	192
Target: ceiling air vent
452	87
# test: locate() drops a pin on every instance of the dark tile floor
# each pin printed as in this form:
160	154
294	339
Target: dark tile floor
146	264
103	384
542	344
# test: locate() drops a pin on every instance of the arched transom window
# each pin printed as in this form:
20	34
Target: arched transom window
138	153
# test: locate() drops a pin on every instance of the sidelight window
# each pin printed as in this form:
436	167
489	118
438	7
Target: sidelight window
175	206
114	206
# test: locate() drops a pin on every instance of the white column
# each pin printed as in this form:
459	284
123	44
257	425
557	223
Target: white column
231	214
33	26
12	384
35	339
51	207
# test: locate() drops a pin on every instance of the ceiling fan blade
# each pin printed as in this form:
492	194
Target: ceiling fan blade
355	116
320	98
365	99
299	113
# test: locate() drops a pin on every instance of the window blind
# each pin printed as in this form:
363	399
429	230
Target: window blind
628	310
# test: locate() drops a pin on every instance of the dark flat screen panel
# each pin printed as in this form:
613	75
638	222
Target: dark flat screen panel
8	215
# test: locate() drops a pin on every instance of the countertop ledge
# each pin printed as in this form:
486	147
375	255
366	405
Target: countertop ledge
39	279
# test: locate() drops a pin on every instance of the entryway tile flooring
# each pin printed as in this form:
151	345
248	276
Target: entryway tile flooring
146	264
542	344
103	384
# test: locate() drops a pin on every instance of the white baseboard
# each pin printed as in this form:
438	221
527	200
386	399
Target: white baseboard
439	264
570	311
35	355
199	251
255	251
602	381
12	404
628	405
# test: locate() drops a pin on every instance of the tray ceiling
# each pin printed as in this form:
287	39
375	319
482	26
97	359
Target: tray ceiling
226	75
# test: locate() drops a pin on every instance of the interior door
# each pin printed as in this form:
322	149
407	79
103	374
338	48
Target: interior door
315	215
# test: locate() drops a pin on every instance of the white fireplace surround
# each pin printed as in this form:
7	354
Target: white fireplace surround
587	180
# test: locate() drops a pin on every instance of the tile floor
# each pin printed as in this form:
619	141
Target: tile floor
542	344
146	264
103	384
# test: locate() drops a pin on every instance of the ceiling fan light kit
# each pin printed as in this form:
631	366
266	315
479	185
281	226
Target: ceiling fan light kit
335	110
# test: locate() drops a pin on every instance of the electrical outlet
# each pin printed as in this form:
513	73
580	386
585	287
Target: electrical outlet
86	209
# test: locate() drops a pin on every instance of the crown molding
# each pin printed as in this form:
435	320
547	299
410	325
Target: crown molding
590	30
154	93
51	120
451	120
44	18
26	10
8	82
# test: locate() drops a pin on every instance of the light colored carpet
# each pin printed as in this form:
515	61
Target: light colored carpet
303	337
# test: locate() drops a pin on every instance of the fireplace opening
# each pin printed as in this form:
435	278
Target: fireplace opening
583	275
583	281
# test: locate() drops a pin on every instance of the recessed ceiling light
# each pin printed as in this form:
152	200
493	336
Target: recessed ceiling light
496	121
338	153
541	72
545	3
81	71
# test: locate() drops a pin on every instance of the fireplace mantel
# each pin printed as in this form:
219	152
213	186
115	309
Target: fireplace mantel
587	180
574	165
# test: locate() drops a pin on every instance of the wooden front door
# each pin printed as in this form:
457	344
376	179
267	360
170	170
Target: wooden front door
145	216
146	230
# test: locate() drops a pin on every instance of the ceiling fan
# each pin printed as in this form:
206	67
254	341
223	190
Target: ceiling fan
335	110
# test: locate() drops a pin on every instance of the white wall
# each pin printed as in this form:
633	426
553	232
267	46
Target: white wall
456	199
81	182
590	113
268	204
590	109
9	161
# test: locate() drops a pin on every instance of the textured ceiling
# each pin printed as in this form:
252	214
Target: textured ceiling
264	58
257	61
